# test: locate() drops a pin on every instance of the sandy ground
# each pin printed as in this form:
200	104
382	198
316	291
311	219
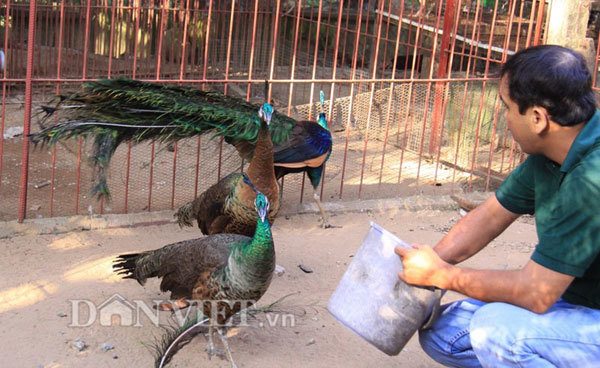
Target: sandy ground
42	276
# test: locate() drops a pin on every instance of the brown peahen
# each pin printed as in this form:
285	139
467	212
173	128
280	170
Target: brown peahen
228	206
223	273
113	111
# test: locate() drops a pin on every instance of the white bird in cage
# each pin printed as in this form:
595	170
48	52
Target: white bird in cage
2	60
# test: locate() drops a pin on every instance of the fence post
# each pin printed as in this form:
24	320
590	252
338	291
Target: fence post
27	119
438	101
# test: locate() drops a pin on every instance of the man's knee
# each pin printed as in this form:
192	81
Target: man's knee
495	329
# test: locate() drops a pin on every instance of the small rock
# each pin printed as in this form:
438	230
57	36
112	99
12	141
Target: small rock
287	217
115	356
279	270
304	268
350	256
79	344
310	342
107	346
61	314
314	318
62	332
35	207
338	262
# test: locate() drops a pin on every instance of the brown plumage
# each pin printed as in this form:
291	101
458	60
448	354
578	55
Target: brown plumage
228	206
223	273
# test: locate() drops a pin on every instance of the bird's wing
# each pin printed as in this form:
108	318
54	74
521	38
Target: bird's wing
308	140
183	263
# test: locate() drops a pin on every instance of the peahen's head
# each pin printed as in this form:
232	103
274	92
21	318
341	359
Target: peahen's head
266	112
262	206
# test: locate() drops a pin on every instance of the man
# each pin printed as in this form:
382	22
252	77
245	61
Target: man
547	313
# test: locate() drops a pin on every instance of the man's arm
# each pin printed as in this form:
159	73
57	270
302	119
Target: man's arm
533	287
475	231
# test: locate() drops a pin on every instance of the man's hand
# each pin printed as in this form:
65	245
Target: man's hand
423	266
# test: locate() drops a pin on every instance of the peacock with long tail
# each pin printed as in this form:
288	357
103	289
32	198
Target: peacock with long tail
113	111
300	153
228	205
222	273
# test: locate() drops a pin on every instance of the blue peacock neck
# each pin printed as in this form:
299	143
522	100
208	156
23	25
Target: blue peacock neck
322	121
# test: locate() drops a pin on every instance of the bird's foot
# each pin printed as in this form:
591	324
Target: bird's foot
212	351
325	224
173	306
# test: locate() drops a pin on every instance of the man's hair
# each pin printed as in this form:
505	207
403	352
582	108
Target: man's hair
553	77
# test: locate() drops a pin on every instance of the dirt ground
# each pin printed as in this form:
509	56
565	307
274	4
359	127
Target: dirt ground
43	276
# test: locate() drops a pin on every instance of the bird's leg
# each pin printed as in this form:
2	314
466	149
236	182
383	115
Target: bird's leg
226	345
325	221
210	348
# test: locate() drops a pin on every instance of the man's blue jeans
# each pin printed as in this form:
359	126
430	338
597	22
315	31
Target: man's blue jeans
470	333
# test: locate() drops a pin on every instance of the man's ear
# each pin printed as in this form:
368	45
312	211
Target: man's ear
540	119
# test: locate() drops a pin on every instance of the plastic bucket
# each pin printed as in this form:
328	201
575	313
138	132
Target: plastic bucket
374	303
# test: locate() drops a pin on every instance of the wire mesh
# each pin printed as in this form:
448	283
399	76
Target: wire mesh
411	92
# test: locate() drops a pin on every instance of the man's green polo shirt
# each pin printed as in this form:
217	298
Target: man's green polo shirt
566	203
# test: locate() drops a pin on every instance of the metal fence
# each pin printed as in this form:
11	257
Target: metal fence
411	92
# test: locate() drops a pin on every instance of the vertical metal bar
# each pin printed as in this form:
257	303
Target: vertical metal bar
159	56
410	94
353	74
294	53
333	74
504	56
390	97
538	23
136	13
27	118
274	48
372	96
530	28
112	35
251	63
207	42
228	57
316	51
347	30
3	113
84	77
186	18
428	94
442	73
58	77
446	99
478	120
387	35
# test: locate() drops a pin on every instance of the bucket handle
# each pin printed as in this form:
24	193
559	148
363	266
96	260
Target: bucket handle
435	312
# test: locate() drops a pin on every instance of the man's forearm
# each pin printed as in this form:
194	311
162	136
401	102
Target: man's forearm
517	287
474	231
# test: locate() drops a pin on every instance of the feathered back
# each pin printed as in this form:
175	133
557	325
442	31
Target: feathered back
140	111
118	110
